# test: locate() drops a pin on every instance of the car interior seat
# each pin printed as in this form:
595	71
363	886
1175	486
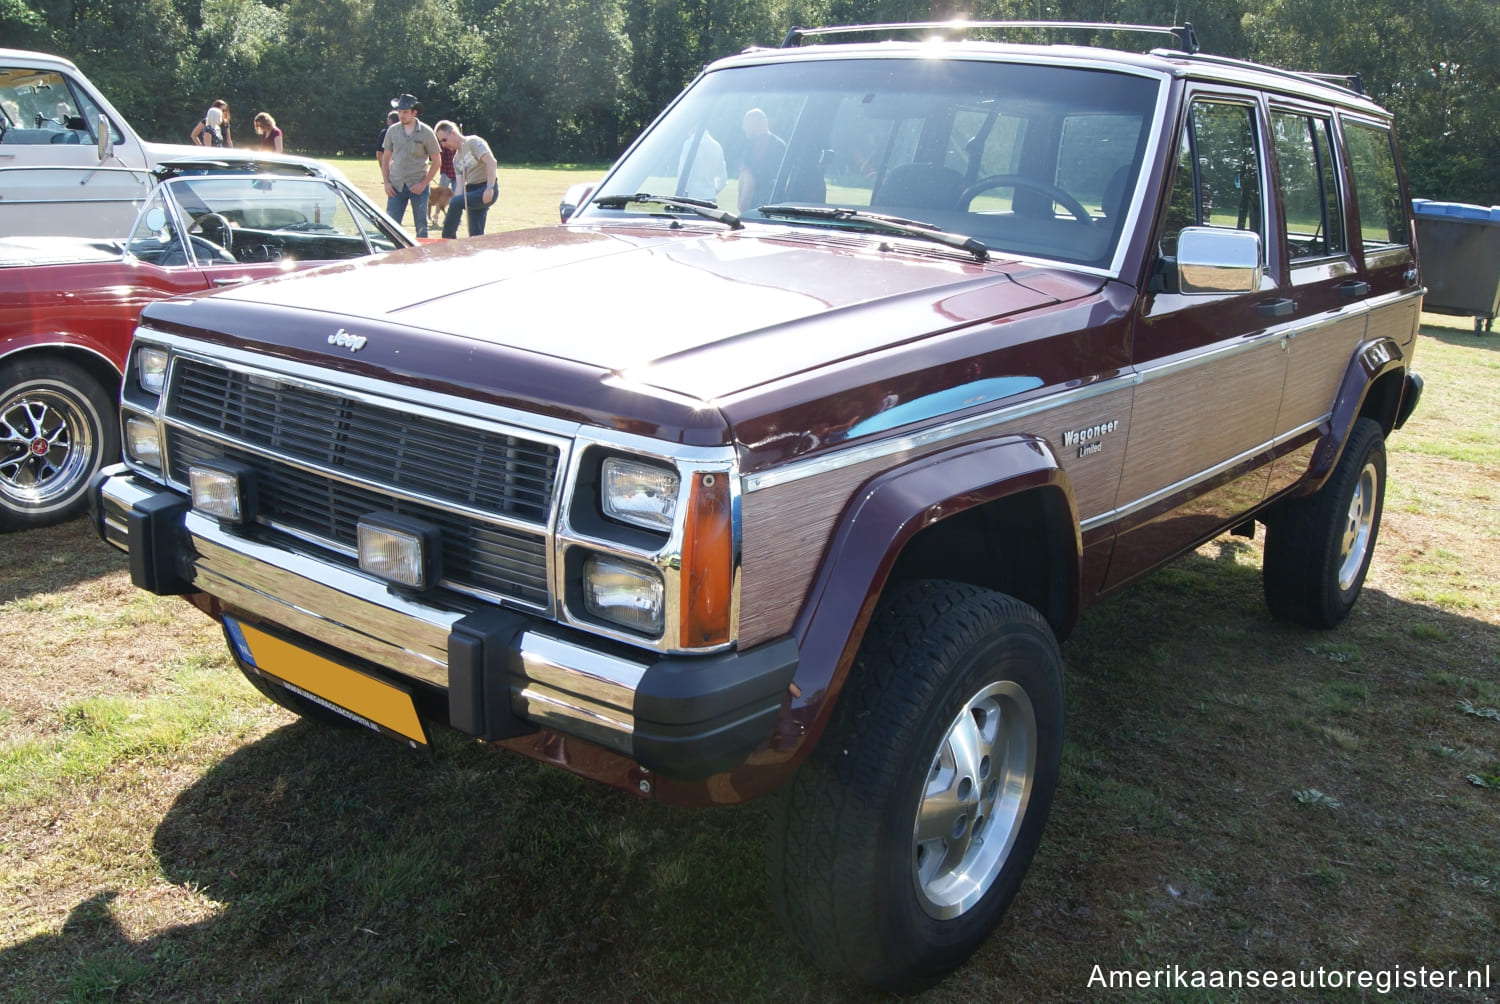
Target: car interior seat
919	186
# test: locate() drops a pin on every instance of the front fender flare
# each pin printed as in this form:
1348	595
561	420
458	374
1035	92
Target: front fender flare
881	520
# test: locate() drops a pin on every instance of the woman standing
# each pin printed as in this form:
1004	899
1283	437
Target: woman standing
266	129
475	171
213	128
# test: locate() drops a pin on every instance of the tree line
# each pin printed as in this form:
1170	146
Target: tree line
577	80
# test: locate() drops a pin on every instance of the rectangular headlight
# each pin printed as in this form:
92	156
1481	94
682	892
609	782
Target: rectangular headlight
625	593
142	442
224	490
402	550
151	368
639	494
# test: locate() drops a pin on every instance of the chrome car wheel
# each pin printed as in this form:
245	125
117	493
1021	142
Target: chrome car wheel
1359	527
46	443
56	429
975	797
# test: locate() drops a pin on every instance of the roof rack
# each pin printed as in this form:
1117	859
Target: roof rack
1351	82
1187	38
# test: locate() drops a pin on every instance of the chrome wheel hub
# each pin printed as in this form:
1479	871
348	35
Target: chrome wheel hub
1359	526
974	799
44	447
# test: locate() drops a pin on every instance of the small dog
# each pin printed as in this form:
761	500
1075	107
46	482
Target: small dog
438	198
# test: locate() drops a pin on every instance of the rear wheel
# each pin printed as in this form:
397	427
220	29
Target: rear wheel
1318	548
57	429
900	842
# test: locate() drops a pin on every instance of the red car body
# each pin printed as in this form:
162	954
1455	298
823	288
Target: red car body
68	307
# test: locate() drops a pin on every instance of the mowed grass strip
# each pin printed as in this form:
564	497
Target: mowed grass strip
1235	794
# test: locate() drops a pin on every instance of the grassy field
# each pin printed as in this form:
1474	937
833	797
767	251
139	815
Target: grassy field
528	197
1235	794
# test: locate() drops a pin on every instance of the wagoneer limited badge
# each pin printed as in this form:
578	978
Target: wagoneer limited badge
349	341
1087	439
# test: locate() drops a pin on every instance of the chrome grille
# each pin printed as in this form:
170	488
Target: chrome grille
306	446
474	467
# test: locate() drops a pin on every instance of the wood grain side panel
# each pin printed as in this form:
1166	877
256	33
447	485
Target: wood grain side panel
1195	418
1398	322
786	528
1316	363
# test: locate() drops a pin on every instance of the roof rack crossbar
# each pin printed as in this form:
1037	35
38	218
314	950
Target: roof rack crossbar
1187	38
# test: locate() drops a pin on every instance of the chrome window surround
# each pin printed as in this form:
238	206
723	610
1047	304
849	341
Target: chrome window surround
572	441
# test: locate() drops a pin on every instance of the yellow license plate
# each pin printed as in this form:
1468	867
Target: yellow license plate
360	697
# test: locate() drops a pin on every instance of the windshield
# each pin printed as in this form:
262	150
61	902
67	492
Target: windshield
1033	160
244	219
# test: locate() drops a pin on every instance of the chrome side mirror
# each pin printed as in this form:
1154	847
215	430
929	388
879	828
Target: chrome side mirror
1218	260
106	146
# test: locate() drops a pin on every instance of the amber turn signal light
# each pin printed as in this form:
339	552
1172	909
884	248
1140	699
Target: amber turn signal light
707	563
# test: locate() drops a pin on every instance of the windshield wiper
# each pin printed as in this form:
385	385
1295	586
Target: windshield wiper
707	210
887	224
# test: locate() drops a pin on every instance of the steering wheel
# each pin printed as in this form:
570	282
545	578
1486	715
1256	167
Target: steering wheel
1072	205
224	236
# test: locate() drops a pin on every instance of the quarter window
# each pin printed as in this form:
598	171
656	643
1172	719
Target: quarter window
1377	191
1309	190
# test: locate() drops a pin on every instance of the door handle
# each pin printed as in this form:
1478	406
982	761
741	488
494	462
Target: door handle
1354	290
237	280
1281	307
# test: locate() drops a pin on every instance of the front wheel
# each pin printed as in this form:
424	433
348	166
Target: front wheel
1318	548
57	428
897	847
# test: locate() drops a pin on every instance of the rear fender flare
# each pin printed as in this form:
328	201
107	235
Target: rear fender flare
1372	386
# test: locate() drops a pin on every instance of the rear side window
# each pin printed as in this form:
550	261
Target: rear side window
1309	188
1377	189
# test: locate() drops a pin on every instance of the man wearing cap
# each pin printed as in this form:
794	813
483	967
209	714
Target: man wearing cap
411	161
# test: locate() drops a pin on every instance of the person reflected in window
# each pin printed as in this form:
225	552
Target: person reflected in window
760	161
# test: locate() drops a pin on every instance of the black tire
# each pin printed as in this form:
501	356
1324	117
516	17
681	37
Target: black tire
855	874
57	429
1318	548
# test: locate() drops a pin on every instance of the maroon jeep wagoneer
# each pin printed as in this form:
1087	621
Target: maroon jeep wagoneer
782	466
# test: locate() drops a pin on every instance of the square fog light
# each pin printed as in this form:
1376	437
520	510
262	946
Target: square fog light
224	490
142	442
625	593
402	550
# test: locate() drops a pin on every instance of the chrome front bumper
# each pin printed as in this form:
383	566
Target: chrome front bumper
504	673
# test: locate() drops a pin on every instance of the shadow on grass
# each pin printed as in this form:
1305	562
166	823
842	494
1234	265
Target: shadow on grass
1236	794
52	558
347	867
1464	337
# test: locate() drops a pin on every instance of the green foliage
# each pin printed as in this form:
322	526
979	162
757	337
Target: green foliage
1432	62
578	79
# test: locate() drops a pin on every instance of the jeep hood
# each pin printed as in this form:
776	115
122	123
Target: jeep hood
696	311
